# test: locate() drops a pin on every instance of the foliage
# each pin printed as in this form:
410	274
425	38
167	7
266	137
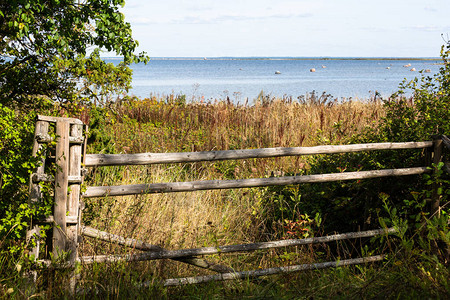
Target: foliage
426	112
100	138
420	253
353	205
16	165
96	81
43	48
50	63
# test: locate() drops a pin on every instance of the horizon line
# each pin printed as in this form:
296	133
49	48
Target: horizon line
287	57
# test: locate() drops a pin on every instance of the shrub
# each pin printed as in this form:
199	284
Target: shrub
16	165
352	205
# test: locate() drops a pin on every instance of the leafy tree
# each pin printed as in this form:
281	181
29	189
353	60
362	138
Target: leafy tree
50	53
43	48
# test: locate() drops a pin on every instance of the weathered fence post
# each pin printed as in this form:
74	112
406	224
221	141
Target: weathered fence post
67	186
74	192
34	232
437	158
68	154
61	188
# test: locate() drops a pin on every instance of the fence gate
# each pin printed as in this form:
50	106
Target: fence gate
70	155
66	160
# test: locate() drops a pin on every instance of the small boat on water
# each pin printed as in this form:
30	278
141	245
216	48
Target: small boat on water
277	72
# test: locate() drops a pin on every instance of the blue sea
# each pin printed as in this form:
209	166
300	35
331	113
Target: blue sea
243	79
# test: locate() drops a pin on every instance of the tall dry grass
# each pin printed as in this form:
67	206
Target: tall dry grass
211	218
161	125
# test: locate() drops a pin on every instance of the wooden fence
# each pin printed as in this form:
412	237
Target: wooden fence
70	155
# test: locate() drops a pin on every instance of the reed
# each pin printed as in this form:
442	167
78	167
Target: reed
217	217
159	124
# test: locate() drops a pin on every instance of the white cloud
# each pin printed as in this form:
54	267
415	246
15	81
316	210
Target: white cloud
429	28
302	27
432	9
202	19
207	12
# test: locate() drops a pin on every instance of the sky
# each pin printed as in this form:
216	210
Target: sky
289	28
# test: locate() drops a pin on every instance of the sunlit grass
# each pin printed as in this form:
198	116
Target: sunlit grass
218	217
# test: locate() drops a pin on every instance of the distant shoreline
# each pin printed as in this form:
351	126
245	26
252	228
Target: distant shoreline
292	58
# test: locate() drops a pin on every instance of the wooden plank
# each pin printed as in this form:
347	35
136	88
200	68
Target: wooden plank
34	234
61	187
35	189
73	205
136	244
183	157
105	236
48	178
438	146
59	119
46	138
248	274
269	271
189	186
171	254
50	219
74	192
41	128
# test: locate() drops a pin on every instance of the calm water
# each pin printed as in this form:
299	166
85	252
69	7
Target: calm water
246	78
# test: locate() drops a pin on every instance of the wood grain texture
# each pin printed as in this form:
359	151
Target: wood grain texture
74	192
183	157
266	272
35	177
46	138
438	147
171	254
137	244
61	187
190	186
59	119
41	128
35	190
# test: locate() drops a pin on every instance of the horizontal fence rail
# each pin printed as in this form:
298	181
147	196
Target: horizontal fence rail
140	245
58	119
190	186
170	254
93	160
185	253
269	271
46	138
